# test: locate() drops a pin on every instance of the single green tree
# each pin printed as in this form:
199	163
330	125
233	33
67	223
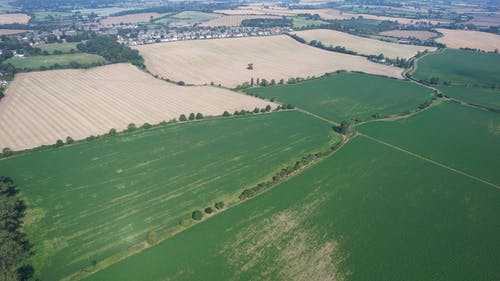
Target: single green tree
191	116
7	152
131	127
226	114
112	132
268	108
209	210
197	215
199	116
59	143
69	140
146	126
182	118
219	205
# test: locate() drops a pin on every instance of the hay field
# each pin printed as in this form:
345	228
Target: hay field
11	31
419	34
329	14
41	107
469	39
14	18
132	18
365	46
234	20
225	61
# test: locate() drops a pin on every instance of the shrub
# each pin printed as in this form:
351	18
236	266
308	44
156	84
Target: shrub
219	205
199	116
59	143
226	114
209	210
197	215
182	118
69	140
191	116
131	127
146	126
256	110
7	152
112	132
181	83
152	237
184	222
268	108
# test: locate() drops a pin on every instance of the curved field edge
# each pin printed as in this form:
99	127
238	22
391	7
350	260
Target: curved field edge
340	220
99	199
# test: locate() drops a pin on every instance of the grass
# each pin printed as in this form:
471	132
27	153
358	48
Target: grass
349	96
299	22
99	198
461	137
41	16
474	95
340	220
63	47
187	17
460	68
64	60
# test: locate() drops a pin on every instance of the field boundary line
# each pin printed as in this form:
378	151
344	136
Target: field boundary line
430	160
317	116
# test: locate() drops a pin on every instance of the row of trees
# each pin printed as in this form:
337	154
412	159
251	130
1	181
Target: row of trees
15	248
197	215
191	117
112	51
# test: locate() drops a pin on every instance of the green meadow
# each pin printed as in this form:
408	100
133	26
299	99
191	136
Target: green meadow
474	95
460	67
64	60
368	212
93	200
462	137
61	47
345	95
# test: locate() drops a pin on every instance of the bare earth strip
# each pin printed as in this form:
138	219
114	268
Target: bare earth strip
11	31
234	20
329	14
225	61
419	34
14	18
133	18
362	45
469	39
42	107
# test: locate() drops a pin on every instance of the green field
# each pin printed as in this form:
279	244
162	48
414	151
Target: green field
369	212
92	200
42	16
349	96
188	17
460	68
299	22
464	138
474	95
65	60
62	47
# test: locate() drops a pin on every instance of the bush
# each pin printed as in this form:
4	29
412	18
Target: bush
197	215
59	143
112	132
219	205
209	210
268	108
69	140
181	83
146	126
191	116
199	116
226	114
182	118
152	237
256	110
6	152
131	127
184	222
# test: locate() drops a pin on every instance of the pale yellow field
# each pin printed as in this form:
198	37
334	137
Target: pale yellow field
419	34
469	39
14	18
41	107
225	61
329	14
133	18
11	31
361	45
234	20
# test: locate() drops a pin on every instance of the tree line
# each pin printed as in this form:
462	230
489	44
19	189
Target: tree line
112	51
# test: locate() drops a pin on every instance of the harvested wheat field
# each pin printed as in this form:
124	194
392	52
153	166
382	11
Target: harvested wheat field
11	31
362	45
419	34
235	20
14	18
132	18
42	107
469	39
225	61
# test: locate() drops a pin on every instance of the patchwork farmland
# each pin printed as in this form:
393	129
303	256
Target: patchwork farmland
419	34
235	20
361	45
132	18
43	107
14	18
225	61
